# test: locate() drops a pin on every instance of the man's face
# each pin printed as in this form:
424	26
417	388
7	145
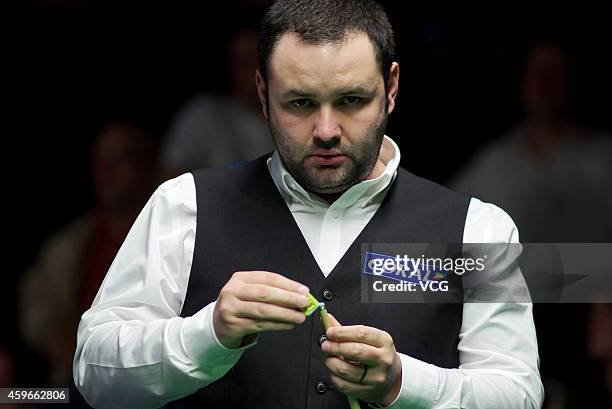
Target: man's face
327	111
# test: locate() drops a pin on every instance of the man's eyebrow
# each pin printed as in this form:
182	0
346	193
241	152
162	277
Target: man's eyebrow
297	93
356	90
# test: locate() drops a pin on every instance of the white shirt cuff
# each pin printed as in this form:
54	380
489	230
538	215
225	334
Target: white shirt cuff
419	385
201	342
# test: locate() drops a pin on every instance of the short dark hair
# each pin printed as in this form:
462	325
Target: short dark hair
327	21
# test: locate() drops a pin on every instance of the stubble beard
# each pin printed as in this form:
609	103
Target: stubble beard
330	179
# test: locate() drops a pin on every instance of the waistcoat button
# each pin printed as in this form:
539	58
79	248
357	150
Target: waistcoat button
328	295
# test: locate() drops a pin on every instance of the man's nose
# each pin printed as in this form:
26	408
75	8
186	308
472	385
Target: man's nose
326	125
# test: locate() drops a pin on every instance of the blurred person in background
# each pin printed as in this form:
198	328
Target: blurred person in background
216	130
62	283
551	175
554	178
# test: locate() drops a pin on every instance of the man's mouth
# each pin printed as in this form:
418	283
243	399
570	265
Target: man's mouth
327	158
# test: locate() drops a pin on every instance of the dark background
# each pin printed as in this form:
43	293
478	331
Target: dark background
75	65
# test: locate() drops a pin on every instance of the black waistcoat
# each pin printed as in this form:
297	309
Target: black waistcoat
243	223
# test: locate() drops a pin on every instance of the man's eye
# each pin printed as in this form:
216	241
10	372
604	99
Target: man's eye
301	103
351	101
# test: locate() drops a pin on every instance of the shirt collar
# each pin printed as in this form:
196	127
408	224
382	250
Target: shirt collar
361	194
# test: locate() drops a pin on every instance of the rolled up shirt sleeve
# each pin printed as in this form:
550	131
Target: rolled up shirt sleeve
498	352
133	348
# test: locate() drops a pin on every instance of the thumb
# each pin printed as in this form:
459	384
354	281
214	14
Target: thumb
334	322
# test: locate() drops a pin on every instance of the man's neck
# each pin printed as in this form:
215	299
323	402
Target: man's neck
543	136
377	170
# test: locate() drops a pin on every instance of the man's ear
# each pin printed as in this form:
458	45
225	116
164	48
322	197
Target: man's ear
262	93
393	87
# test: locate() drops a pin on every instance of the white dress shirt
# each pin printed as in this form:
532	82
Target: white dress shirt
135	351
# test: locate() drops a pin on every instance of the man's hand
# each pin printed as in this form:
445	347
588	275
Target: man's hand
257	301
349	348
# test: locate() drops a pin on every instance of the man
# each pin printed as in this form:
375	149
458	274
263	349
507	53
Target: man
556	172
61	284
556	184
205	293
217	130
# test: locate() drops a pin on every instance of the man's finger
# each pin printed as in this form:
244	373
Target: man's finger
353	351
273	280
334	322
269	312
359	333
346	370
256	326
272	295
348	387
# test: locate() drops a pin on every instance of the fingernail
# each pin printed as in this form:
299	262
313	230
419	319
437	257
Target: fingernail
302	300
304	290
